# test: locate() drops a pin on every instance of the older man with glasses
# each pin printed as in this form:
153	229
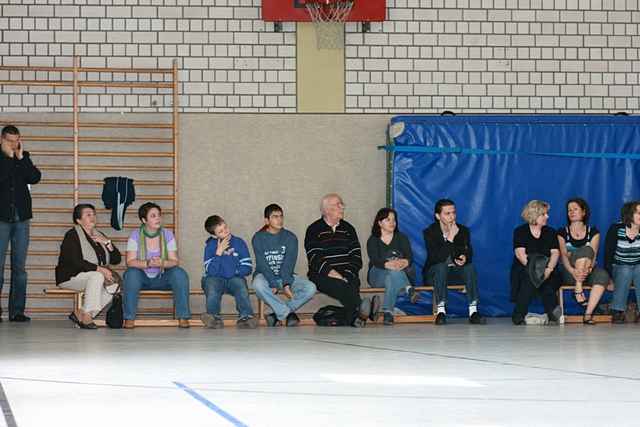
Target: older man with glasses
335	260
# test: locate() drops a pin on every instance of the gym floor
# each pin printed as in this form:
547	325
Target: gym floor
406	375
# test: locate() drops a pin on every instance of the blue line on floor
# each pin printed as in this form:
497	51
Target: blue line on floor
211	405
6	409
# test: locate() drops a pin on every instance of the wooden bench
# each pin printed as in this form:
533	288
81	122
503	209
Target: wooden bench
229	320
411	318
76	298
599	318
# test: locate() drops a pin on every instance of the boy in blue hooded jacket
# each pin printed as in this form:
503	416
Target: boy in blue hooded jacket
226	264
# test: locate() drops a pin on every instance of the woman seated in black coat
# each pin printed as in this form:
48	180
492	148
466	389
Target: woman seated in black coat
85	254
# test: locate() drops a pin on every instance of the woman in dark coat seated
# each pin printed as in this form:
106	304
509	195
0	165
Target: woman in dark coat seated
85	254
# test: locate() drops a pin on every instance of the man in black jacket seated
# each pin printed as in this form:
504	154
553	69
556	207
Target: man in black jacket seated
449	256
16	173
335	259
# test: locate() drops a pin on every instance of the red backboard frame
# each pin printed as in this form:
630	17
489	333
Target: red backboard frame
294	11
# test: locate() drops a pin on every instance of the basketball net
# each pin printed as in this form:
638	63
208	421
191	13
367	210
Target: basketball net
328	18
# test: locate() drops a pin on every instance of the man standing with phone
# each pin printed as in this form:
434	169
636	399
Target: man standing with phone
449	256
17	172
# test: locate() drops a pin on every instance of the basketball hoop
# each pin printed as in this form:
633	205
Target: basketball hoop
328	18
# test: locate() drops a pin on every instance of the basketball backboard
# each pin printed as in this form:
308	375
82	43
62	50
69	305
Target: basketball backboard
295	11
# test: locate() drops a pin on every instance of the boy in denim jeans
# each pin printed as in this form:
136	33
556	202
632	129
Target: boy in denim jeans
226	264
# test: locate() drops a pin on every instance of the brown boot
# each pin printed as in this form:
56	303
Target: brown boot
129	324
184	323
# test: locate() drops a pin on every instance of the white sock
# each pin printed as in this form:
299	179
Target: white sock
441	308
473	308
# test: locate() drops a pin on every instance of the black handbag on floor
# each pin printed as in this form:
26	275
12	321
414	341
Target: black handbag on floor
329	315
115	315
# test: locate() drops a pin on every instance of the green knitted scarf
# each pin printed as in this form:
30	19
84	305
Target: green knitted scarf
142	244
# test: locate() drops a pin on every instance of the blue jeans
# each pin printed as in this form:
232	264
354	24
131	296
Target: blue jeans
18	234
393	282
441	274
623	275
303	290
174	278
215	287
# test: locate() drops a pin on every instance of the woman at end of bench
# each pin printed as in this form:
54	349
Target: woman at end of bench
152	261
622	257
579	243
85	254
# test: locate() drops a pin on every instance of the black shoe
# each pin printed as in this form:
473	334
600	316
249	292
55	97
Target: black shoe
272	320
388	318
359	323
292	320
74	319
365	309
247	323
20	318
476	319
556	314
618	317
587	319
375	308
518	322
80	324
441	319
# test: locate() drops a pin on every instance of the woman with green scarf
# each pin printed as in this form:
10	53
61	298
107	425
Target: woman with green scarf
152	261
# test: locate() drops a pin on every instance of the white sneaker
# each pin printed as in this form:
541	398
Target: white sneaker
536	319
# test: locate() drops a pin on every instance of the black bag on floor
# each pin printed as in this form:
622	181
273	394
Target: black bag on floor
329	315
115	315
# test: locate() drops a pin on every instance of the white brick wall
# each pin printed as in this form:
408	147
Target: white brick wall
230	60
496	56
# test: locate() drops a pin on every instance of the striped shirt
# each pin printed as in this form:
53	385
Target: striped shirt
627	251
333	250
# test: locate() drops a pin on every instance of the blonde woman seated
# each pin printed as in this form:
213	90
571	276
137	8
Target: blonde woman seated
579	243
85	254
534	239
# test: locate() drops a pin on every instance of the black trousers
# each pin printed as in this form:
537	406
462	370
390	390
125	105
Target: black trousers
523	292
348	293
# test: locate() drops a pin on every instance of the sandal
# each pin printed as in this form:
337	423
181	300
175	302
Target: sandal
587	319
584	301
79	324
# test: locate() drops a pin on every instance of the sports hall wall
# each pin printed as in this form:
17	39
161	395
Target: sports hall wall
468	56
476	56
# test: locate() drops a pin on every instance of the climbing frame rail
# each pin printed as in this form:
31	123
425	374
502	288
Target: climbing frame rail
85	139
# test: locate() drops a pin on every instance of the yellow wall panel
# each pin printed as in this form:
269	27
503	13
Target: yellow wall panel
320	74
